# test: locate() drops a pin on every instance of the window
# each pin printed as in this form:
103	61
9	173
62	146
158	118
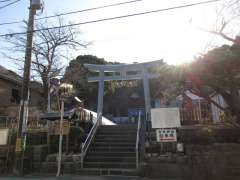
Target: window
15	98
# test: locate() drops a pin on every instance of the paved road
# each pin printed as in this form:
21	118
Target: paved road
78	178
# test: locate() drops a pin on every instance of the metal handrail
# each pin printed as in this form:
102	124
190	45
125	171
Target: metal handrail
89	139
137	140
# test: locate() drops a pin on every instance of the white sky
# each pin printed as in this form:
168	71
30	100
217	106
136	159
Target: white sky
173	36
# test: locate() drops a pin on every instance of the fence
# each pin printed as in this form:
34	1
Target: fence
199	114
7	122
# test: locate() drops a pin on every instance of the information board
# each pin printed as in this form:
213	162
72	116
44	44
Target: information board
3	136
165	118
166	135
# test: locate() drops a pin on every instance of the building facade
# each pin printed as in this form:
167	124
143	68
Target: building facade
10	95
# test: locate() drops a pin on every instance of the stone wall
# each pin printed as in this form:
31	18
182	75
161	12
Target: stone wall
204	134
217	161
209	154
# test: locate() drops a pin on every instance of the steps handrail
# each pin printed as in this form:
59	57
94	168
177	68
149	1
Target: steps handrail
89	138
137	140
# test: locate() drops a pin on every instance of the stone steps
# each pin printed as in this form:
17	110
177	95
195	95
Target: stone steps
112	152
116	133
111	159
115	137
112	165
111	140
113	144
107	171
111	149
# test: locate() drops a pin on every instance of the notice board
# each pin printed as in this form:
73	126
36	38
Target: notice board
165	118
3	136
166	135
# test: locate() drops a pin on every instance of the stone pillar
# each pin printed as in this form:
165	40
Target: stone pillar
146	92
100	95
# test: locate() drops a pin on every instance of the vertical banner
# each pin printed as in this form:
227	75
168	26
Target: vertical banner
18	147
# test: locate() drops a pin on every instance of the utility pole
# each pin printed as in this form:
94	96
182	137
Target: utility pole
23	111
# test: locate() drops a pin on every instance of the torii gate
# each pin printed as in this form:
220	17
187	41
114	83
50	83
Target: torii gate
123	72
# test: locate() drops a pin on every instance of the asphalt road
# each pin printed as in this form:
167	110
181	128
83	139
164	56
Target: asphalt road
79	178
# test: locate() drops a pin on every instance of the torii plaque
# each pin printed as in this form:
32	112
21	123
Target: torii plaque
123	72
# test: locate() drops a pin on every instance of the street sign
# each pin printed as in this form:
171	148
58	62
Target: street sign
3	136
166	135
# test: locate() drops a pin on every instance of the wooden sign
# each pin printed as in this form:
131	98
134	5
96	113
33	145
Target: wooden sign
55	128
18	147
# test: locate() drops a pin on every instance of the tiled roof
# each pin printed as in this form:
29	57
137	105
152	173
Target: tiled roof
13	77
9	75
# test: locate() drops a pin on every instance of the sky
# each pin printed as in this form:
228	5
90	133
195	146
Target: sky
176	36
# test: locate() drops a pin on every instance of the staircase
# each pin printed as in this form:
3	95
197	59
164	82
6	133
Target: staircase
112	152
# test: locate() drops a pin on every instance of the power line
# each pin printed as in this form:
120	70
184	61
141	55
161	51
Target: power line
89	9
74	12
9	4
113	18
5	1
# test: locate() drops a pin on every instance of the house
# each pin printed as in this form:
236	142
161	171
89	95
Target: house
198	110
217	112
10	94
194	109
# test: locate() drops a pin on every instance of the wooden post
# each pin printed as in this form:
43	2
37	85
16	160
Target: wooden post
200	111
67	143
60	140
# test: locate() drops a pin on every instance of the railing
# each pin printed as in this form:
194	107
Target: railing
7	122
89	138
137	140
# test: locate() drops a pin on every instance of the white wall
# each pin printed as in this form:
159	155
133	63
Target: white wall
216	112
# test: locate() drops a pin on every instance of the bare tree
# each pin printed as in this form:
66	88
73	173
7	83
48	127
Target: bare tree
50	47
228	19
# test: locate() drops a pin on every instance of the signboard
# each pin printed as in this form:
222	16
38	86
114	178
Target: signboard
135	112
3	136
55	128
18	145
166	135
165	118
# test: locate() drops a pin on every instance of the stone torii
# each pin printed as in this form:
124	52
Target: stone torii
121	72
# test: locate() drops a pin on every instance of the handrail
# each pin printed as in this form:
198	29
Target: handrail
89	138
137	140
